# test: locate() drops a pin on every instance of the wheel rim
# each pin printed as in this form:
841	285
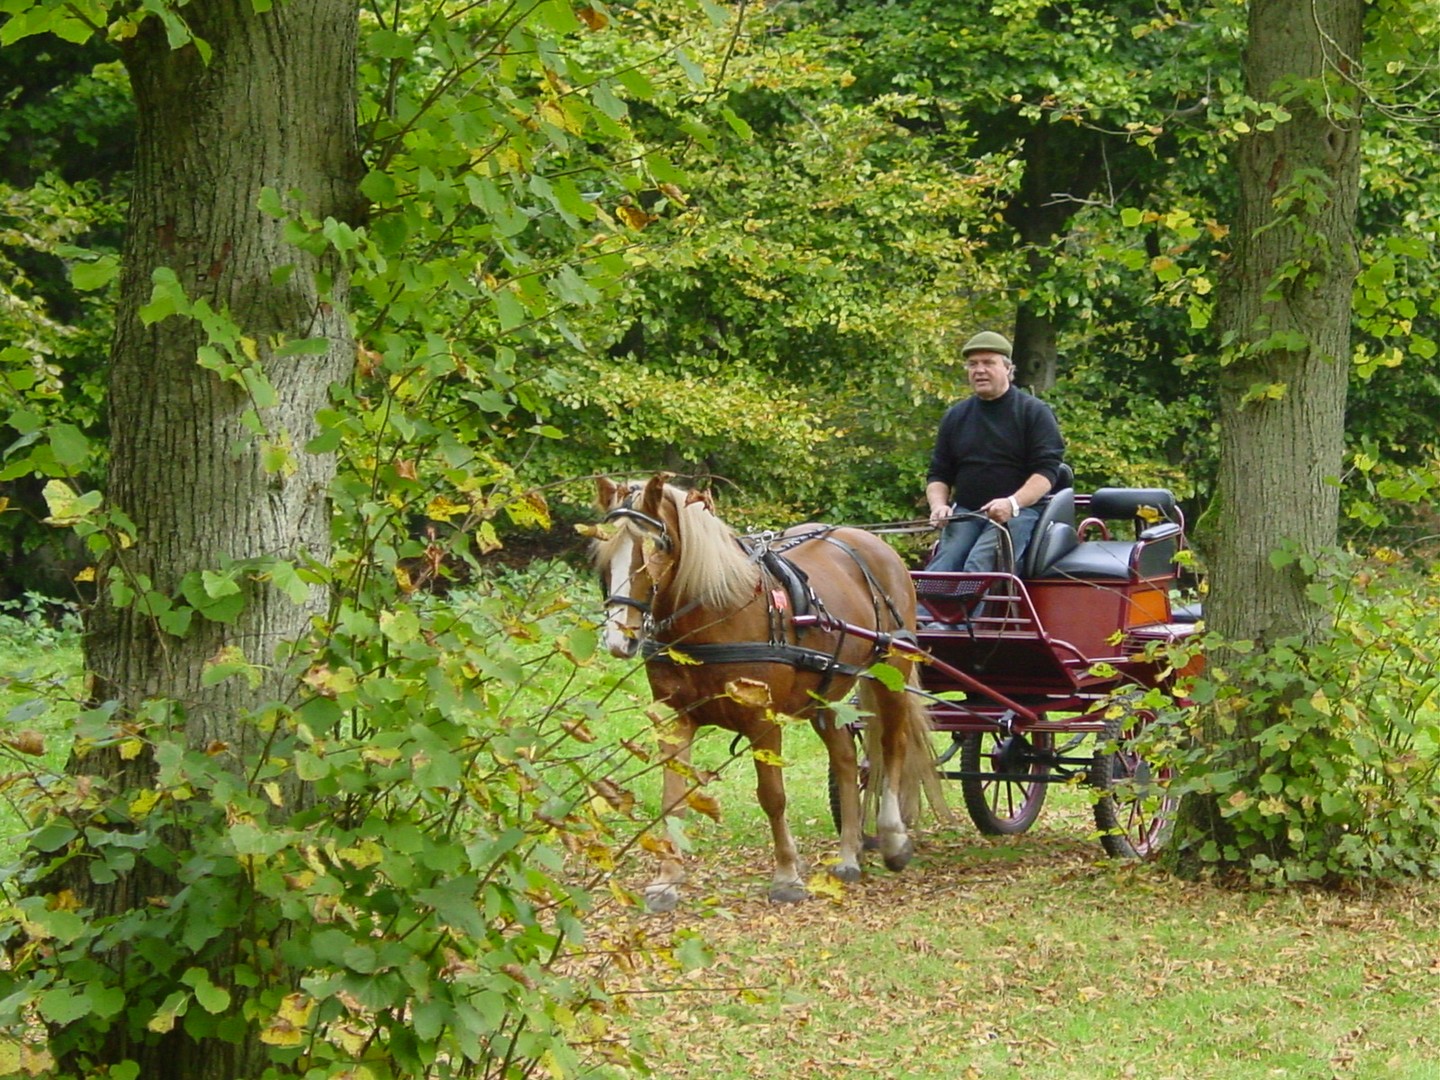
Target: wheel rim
1149	810
1005	807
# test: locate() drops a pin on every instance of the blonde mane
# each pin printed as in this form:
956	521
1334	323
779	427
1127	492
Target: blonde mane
713	568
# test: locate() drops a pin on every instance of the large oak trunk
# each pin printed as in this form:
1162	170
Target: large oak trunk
1285	309
272	108
1286	305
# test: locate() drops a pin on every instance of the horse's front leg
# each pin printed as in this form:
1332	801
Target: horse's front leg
786	884
844	774
663	893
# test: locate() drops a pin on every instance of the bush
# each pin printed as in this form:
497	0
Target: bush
391	887
1340	782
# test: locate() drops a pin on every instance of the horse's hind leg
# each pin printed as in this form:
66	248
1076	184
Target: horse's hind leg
890	717
663	893
786	884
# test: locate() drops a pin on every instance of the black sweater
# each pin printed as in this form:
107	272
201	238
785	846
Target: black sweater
986	449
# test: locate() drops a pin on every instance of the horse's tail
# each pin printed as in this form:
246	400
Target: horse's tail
920	776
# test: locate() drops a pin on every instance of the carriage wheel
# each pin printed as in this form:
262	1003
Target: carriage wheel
1135	811
1005	807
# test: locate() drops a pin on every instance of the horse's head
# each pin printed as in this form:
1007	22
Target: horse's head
634	553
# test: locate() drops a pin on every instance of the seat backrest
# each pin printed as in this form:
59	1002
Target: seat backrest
1110	504
1054	534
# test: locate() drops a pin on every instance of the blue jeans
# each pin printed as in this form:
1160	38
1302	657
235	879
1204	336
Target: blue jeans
972	543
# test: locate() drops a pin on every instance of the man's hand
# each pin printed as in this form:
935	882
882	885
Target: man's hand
998	510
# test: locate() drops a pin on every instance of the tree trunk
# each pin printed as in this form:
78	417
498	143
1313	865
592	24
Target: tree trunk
1062	168
1037	353
1285	310
273	107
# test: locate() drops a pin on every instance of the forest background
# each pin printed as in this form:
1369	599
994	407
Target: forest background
736	242
818	200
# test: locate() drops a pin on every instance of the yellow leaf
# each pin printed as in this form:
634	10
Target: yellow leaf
704	804
658	845
28	741
750	692
827	885
88	574
130	748
362	855
143	803
633	216
595	20
442	508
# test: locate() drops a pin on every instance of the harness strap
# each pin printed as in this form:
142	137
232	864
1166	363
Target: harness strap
750	652
877	592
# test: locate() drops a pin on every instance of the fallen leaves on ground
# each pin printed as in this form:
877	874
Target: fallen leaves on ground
1032	956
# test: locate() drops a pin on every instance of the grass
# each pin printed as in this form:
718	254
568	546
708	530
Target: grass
988	958
39	666
1023	957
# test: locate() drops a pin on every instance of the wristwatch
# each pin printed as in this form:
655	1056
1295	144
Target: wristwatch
1014	507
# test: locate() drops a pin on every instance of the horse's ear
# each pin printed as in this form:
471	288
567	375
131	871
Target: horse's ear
654	494
605	490
704	498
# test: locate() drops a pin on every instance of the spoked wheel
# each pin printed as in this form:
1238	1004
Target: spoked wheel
1004	805
1135	811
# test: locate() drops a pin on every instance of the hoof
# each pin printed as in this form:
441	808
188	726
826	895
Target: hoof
848	874
900	859
661	898
788	894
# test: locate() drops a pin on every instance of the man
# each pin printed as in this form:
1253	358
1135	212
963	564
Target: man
997	454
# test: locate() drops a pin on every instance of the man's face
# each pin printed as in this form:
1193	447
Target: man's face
988	372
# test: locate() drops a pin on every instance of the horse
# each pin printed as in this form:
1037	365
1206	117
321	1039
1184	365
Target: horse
715	617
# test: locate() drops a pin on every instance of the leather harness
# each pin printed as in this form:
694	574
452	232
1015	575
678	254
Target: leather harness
784	585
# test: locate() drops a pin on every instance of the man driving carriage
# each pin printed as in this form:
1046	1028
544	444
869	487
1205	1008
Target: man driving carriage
997	454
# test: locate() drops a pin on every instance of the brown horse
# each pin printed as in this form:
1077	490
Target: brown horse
740	635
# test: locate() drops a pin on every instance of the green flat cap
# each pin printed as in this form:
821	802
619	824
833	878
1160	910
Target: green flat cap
988	341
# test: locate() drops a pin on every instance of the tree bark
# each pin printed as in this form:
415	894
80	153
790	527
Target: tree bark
1284	307
274	107
1061	168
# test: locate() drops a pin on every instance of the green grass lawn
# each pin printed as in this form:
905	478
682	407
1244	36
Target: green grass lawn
1031	957
1027	957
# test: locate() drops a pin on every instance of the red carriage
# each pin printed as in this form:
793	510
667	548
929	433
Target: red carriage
1024	666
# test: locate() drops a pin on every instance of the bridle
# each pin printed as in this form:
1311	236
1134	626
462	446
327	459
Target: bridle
663	541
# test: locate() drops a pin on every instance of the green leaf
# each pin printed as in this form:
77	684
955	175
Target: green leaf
89	276
63	1005
737	124
219	585
68	507
888	677
69	445
213	999
401	626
